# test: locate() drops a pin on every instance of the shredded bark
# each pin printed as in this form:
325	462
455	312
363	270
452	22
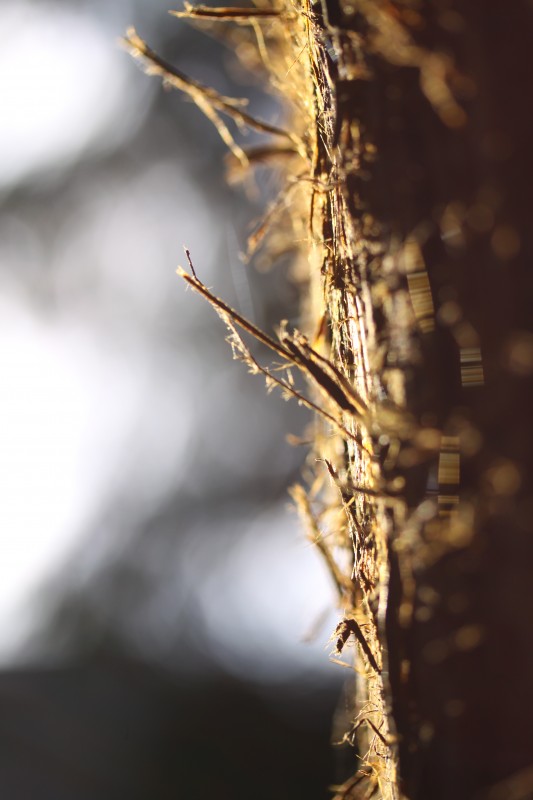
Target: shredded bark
407	203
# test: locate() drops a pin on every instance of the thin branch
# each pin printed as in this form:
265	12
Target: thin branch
232	318
243	323
208	100
228	13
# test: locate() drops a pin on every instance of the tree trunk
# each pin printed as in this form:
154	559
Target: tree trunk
409	184
423	142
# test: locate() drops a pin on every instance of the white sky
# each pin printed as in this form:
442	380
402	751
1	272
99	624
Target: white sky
67	403
63	86
71	403
55	427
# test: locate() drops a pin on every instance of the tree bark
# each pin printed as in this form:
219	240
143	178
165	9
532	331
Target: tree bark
423	134
409	190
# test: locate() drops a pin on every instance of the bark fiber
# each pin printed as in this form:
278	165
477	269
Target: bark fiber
409	172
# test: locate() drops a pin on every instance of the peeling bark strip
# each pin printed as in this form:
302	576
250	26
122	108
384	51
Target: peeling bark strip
409	163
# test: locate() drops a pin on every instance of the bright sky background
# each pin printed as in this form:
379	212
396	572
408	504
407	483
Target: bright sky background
62	88
71	401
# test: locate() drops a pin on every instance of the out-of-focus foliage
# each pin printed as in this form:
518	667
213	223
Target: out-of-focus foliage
145	471
145	517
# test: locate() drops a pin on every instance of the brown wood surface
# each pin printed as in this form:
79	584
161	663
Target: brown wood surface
439	198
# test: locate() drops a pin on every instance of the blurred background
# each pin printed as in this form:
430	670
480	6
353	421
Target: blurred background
163	622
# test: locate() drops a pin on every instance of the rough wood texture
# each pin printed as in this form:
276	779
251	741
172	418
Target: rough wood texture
409	173
424	135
